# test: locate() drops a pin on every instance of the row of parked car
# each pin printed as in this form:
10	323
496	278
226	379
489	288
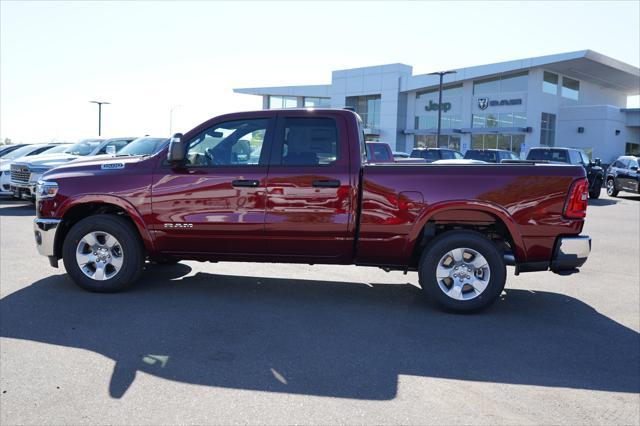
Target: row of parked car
621	175
21	166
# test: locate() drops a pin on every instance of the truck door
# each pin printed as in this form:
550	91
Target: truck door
216	203
309	197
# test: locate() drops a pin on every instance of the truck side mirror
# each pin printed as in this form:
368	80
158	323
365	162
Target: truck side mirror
597	162
177	150
111	150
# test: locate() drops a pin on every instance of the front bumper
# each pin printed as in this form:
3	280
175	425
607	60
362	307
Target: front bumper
45	234
570	253
23	190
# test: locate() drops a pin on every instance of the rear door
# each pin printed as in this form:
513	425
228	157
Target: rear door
309	197
216	203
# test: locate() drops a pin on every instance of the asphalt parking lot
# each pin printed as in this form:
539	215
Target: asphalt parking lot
274	344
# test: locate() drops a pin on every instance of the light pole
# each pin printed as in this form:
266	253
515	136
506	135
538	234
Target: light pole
100	103
171	118
441	74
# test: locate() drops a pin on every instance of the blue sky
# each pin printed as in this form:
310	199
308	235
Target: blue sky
145	57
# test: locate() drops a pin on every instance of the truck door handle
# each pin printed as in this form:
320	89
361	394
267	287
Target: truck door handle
245	183
326	183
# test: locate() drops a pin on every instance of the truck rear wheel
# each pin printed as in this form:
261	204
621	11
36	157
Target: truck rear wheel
103	253
595	191
462	271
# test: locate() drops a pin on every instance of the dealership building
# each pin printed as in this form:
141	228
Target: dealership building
576	99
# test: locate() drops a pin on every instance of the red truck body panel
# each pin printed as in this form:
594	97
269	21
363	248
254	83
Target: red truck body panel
375	215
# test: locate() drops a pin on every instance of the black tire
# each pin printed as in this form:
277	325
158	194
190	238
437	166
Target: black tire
442	245
611	188
595	191
132	252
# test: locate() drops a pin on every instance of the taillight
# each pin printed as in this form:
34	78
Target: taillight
576	205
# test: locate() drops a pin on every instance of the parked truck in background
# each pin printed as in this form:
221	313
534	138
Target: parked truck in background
294	186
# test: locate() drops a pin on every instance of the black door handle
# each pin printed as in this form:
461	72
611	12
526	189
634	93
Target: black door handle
245	183
326	183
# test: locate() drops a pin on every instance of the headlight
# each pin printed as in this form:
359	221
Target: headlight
46	189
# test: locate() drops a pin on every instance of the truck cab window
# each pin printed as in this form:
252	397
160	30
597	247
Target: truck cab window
308	142
234	143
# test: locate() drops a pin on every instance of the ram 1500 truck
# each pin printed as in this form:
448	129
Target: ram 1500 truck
294	186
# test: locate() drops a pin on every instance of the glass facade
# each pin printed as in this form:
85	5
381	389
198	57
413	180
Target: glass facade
548	129
550	83
431	122
311	102
570	88
368	107
507	142
429	141
506	83
277	102
503	119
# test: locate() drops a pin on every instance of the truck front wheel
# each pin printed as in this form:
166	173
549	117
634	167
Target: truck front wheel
462	271
103	253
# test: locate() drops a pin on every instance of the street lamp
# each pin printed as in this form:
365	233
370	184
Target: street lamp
100	103
171	118
441	74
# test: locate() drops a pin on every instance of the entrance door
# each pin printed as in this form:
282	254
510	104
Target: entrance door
216	203
309	197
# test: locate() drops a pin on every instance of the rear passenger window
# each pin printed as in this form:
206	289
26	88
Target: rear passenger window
308	142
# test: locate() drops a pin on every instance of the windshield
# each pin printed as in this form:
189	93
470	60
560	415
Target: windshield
57	149
85	147
488	156
143	146
548	155
21	152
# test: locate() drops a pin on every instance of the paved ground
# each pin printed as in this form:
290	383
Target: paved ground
268	344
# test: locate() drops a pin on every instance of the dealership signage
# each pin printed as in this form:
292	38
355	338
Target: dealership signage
434	106
484	103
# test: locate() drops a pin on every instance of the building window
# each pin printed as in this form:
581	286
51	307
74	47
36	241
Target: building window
310	102
632	149
431	122
277	102
368	108
503	119
455	90
550	83
570	88
429	141
506	83
507	142
548	129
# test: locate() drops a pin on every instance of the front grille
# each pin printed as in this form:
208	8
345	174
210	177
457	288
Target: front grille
20	174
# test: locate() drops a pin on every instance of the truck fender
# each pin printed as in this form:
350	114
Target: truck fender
495	210
125	205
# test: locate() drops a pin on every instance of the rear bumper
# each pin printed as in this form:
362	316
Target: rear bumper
570	253
45	234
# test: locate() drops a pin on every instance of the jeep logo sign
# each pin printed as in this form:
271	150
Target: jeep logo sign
446	106
484	103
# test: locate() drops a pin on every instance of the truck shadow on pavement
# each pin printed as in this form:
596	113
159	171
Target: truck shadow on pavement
336	339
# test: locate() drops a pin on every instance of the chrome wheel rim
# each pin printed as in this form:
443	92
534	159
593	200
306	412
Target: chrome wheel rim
610	187
463	274
99	255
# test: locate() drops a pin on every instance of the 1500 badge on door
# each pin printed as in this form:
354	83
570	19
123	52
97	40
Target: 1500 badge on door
178	225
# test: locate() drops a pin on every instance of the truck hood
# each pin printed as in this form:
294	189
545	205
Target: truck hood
100	163
51	160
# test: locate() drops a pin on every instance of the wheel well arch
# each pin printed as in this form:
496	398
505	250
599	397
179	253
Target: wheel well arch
495	225
79	211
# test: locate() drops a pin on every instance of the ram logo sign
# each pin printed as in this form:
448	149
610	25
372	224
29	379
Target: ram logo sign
483	103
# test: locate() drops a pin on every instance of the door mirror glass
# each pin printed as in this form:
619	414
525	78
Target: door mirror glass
597	162
177	150
111	150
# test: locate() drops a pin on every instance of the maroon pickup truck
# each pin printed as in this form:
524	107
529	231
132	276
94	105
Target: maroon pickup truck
294	186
